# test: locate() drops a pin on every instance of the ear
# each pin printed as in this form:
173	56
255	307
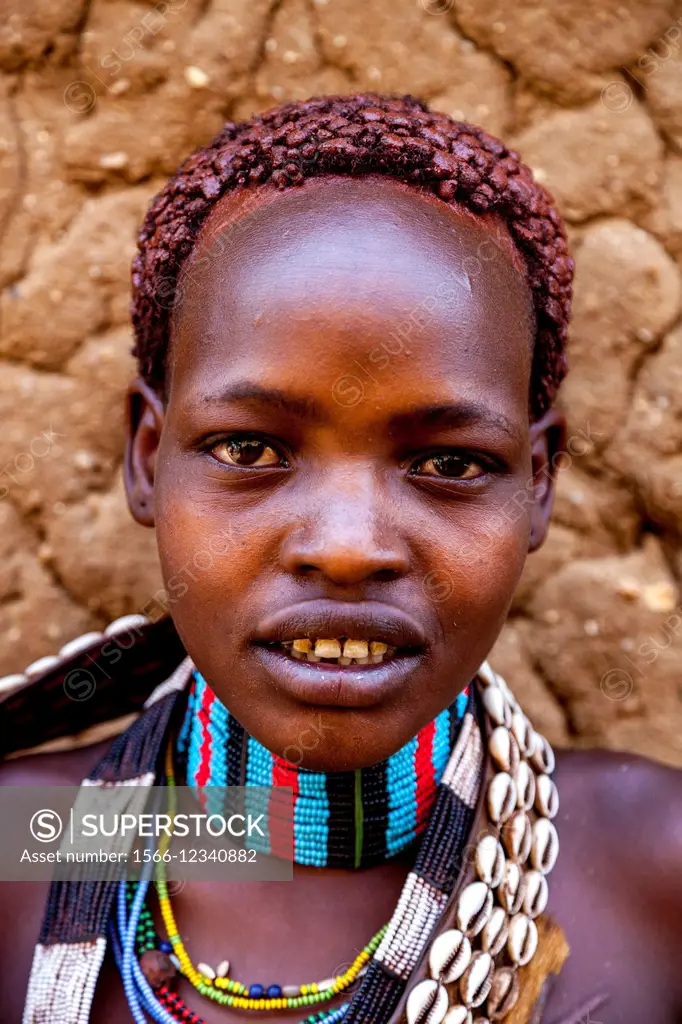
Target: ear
144	421
547	440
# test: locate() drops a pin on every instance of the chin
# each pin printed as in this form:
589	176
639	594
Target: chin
336	740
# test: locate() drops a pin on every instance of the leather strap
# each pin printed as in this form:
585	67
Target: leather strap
113	677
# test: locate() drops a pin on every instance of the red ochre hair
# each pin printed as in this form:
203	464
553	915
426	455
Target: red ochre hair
356	135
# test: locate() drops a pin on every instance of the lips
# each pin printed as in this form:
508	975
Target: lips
286	644
371	622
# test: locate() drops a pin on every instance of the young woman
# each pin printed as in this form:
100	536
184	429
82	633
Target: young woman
350	321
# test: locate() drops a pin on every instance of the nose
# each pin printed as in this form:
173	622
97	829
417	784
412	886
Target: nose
348	535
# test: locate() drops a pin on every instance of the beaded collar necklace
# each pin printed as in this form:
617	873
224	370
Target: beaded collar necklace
341	819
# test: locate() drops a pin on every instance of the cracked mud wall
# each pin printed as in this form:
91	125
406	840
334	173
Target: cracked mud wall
101	100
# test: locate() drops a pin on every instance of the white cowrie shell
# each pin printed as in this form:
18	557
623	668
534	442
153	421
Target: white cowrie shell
427	1003
223	969
546	796
517	836
489	860
501	797
37	668
536	893
495	703
80	643
504	750
478	977
525	786
486	675
545	846
474	907
449	956
494	934
502	684
543	755
458	1015
206	970
504	993
511	889
522	940
523	733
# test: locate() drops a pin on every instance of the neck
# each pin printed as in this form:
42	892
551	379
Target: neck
344	819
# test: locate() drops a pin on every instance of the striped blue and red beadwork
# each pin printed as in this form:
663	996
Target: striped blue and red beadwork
341	819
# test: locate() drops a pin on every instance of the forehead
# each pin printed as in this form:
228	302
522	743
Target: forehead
331	270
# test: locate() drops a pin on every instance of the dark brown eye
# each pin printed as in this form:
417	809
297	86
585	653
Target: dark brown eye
451	465
246	451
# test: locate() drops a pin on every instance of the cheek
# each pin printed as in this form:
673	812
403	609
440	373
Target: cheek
484	566
199	552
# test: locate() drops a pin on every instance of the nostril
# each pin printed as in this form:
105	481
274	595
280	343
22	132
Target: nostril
380	575
342	560
386	575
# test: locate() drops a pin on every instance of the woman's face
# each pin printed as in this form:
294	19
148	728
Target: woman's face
345	454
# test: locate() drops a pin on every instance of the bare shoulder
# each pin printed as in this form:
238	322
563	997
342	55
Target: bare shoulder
616	888
68	768
620	790
625	811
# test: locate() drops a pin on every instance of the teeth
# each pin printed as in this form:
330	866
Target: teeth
355	649
342	652
329	648
303	645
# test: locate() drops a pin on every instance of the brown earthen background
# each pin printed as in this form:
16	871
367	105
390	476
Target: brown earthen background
100	100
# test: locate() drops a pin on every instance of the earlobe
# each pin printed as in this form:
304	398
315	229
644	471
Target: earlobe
548	440
145	415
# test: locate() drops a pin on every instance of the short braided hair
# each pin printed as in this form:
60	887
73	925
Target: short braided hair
396	136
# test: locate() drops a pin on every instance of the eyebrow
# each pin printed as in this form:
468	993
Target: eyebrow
247	391
453	415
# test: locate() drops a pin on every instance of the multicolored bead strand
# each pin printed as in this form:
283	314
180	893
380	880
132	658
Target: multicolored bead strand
183	1015
163	1005
227	991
